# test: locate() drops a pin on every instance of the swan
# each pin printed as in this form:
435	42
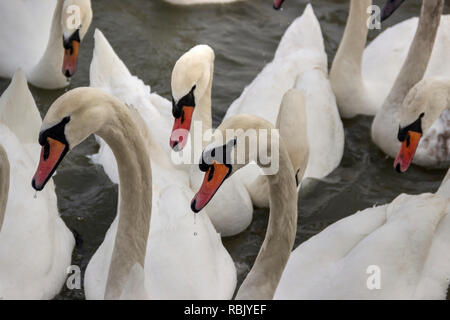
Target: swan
177	257
46	52
406	241
220	160
361	77
410	248
300	61
192	78
35	244
432	150
423	105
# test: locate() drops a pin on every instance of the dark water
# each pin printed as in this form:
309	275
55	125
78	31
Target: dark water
149	36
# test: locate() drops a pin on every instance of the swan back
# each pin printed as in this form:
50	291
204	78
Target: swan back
304	32
18	111
404	239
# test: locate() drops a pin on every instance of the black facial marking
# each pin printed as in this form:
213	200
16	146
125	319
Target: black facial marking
223	155
187	100
416	126
211	173
56	132
296	178
46	151
67	43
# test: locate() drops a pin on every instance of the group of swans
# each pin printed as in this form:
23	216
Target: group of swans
375	80
35	244
407	240
154	195
43	38
300	61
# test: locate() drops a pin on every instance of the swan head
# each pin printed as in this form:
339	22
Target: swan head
238	141
191	78
76	17
277	4
217	164
389	8
69	121
422	106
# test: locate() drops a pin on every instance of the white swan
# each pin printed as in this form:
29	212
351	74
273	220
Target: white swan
433	149
300	61
362	78
405	243
43	39
35	244
192	78
220	160
423	105
183	257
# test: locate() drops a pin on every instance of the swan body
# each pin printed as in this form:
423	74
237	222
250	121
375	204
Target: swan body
300	61
32	34
35	244
406	240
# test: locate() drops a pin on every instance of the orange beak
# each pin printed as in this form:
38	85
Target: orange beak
52	154
407	151
181	127
214	177
70	59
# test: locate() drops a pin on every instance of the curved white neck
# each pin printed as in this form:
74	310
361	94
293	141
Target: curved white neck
123	135
262	280
419	54
4	184
346	68
202	113
48	72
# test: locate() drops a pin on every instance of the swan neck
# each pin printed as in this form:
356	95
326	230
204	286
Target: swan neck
51	62
122	134
4	183
202	113
419	53
346	70
263	278
353	42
